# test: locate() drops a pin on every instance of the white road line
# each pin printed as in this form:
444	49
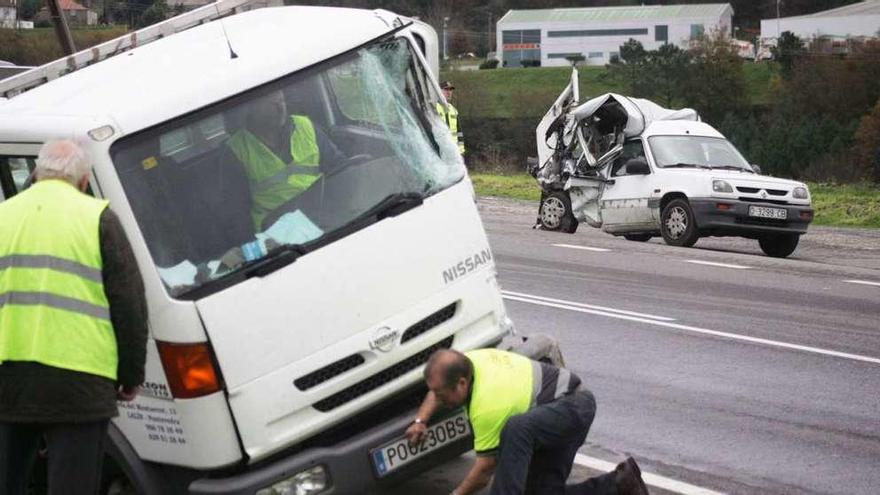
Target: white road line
583	248
649	478
863	282
587	306
722	265
705	331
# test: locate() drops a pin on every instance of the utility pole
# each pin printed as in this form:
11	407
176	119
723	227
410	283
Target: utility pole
778	32
62	31
445	25
489	30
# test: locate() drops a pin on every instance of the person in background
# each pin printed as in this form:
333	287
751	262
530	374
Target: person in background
449	115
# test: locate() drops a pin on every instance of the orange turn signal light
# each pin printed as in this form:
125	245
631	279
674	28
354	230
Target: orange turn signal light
722	206
189	368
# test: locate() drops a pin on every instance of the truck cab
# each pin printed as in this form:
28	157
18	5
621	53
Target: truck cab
285	344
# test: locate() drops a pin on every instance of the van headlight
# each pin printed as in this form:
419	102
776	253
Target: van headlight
721	186
800	192
308	482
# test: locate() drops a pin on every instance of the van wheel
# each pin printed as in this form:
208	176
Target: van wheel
638	237
677	224
555	213
779	245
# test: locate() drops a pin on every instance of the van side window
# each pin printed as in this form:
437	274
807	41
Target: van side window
631	149
15	172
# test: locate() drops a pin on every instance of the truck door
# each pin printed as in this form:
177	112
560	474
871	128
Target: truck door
624	202
17	162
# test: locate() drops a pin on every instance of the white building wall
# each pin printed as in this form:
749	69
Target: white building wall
809	27
7	15
679	32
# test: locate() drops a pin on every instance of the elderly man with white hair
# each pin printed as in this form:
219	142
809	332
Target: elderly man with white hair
72	325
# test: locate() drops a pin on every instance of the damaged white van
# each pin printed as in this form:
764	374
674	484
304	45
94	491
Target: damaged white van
635	169
287	337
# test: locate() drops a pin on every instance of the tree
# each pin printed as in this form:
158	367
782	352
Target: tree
715	84
788	50
575	59
668	66
157	12
29	8
868	144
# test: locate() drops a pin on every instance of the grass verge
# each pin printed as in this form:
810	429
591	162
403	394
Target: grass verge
835	205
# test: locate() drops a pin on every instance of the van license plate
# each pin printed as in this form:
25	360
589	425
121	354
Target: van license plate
399	452
764	212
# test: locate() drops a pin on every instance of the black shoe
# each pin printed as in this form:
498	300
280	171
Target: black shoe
628	478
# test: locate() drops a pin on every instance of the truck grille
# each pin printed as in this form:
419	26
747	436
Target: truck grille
760	200
327	372
433	320
381	378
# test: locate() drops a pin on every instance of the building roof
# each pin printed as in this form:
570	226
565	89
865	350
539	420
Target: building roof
868	7
7	3
70	5
611	14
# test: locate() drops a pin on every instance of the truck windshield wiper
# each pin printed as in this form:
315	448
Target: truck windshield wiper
731	167
687	165
278	257
390	206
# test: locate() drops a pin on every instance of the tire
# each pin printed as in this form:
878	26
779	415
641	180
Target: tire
677	224
555	213
779	245
638	237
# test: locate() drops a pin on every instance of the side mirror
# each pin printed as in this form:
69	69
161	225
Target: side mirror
637	166
756	168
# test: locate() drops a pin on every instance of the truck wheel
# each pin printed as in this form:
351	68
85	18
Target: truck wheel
677	224
779	245
555	213
638	237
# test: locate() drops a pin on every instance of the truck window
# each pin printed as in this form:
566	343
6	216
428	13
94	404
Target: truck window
631	149
15	172
215	190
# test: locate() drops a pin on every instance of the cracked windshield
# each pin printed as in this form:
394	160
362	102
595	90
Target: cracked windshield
286	166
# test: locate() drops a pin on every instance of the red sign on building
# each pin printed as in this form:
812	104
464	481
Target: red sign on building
521	46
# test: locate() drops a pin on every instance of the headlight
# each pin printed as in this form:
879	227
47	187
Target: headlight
800	193
308	482
721	186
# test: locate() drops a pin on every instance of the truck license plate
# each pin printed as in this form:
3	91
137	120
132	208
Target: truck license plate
399	452
765	212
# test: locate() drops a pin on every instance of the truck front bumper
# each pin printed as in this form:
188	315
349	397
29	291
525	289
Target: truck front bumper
348	462
716	216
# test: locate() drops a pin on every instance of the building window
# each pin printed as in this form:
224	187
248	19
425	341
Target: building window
613	55
564	55
520	45
597	32
595	55
697	30
661	33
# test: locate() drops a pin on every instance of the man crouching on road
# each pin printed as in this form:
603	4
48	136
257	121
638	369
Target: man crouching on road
529	419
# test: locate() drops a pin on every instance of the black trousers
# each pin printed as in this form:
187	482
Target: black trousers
75	455
538	448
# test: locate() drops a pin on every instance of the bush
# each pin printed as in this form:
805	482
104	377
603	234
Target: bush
530	63
492	63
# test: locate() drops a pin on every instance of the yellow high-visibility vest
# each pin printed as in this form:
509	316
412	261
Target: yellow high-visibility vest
53	309
503	386
272	181
451	119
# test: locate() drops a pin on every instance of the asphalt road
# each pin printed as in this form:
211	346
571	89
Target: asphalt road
714	365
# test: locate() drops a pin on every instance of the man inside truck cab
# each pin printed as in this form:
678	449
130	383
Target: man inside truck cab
282	154
529	419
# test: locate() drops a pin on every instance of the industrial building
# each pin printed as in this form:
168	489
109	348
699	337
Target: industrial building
596	33
858	19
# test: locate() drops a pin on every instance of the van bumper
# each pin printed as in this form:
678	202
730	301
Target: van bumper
348	463
733	218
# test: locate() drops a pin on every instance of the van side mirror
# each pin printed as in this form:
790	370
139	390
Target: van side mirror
756	168
637	166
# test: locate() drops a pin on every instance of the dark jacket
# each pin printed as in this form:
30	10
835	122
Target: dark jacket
35	393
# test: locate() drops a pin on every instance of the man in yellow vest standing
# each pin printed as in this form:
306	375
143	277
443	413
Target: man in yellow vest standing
449	114
529	419
72	325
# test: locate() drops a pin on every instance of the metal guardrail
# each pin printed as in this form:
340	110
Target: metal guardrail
38	76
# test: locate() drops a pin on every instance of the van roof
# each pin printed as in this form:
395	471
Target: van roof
680	128
191	69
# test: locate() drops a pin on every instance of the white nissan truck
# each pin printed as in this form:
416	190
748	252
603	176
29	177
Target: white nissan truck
284	357
637	170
